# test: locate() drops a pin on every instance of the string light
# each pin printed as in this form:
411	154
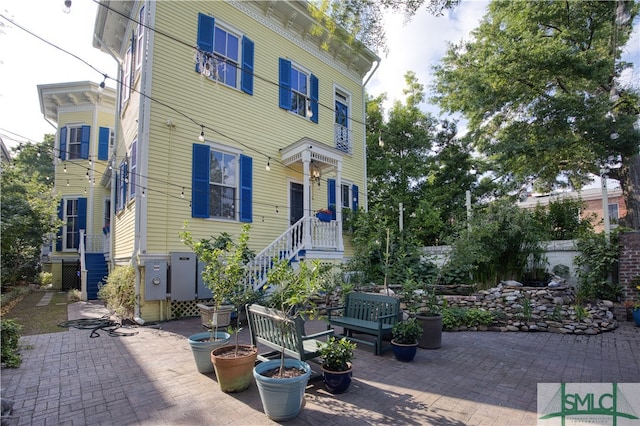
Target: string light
67	182
87	174
65	168
309	112
101	86
182	193
380	141
201	137
268	166
67	6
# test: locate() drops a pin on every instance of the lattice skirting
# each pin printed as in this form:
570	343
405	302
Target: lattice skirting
186	308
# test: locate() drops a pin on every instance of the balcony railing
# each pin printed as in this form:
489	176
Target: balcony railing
343	138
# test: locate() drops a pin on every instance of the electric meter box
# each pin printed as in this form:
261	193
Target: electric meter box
183	276
155	280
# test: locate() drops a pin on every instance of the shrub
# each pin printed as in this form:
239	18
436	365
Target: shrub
45	279
119	291
10	337
596	262
475	317
406	332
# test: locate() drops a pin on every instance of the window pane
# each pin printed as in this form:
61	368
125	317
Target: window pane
229	170
220	42
215	172
345	196
221	202
232	47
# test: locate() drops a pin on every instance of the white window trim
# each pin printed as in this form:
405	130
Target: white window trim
64	226
307	95
225	149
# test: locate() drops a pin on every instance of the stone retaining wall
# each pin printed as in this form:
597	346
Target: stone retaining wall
551	310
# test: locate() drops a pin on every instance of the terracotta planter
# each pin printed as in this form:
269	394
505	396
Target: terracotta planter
234	372
431	331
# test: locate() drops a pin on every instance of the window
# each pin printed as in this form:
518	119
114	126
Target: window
224	55
348	195
342	135
126	76
106	220
613	213
74	142
221	184
140	39
298	90
73	213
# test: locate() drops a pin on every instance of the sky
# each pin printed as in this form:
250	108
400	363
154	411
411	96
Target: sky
26	61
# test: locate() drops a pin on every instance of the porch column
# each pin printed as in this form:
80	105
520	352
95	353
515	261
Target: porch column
339	240
306	198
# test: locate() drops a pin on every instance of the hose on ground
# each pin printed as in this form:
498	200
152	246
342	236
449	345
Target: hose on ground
95	324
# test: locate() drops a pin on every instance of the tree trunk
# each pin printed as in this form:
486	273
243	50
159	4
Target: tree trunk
629	176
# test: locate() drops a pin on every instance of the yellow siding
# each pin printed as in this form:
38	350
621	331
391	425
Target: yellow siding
246	122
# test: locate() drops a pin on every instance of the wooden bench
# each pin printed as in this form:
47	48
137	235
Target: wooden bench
271	328
367	313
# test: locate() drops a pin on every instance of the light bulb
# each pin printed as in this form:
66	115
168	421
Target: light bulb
309	112
201	137
67	6
268	166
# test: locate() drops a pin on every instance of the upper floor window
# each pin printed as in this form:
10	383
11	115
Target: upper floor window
74	142
342	131
298	90
133	169
126	76
224	55
221	184
140	38
613	213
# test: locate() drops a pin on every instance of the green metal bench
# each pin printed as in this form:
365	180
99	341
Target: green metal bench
367	313
271	328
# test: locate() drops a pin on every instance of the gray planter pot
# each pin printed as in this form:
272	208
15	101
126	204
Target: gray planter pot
282	399
202	349
431	331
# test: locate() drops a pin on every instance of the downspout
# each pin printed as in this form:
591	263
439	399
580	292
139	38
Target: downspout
364	125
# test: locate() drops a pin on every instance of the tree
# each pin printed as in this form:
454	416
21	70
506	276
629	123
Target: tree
539	84
28	206
362	20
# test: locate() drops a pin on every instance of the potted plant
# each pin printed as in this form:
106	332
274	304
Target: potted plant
405	339
336	364
224	267
233	364
429	315
282	382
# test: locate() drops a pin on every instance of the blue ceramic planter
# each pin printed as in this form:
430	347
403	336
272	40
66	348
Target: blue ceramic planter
337	381
202	349
636	316
404	353
282	399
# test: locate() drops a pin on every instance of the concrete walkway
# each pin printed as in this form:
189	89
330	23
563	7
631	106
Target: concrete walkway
150	378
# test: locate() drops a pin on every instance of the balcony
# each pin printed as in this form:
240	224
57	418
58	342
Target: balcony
343	138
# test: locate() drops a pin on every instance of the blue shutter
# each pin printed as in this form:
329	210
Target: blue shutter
246	189
117	200
331	196
63	143
103	143
206	25
133	169
285	84
60	216
354	189
84	142
81	223
246	79
200	181
314	98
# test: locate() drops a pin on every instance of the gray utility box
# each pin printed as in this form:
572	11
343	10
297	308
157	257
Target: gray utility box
204	292
183	276
155	280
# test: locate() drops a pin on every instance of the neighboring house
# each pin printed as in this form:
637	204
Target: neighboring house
257	125
84	113
593	203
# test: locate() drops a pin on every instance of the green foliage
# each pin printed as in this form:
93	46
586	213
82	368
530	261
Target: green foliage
118	292
27	207
500	243
406	332
560	220
581	313
556	315
294	290
336	353
10	332
45	278
526	309
225	261
454	317
596	262
551	126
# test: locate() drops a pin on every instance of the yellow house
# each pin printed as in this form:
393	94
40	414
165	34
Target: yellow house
228	113
84	114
